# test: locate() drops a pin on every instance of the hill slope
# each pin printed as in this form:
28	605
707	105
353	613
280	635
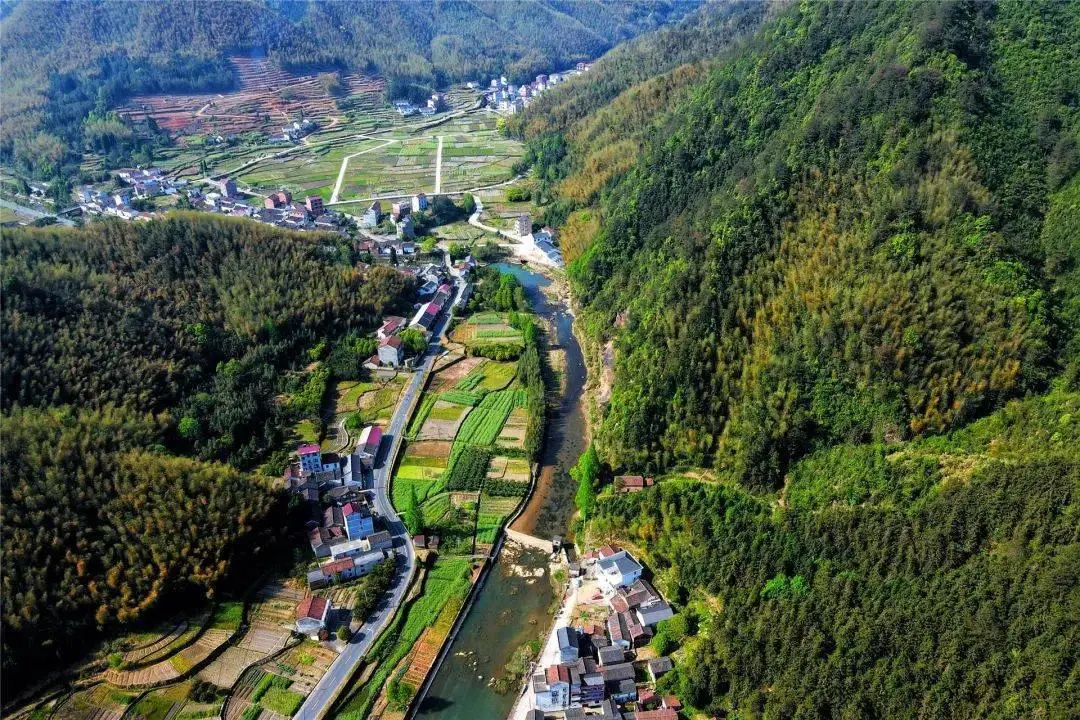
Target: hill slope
838	236
839	266
108	50
931	579
138	359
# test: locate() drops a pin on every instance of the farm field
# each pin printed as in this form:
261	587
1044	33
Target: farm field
488	328
394	159
445	586
464	445
388	154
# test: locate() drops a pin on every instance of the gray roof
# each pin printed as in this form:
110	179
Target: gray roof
567	638
618	671
610	710
611	655
593	678
660	665
654	614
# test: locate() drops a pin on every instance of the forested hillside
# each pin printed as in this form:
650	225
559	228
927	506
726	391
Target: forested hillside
126	348
838	236
588	133
838	261
194	314
63	61
101	528
932	579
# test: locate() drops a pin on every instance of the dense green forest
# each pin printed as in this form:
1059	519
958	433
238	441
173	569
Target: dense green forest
101	527
837	255
838	234
194	314
146	368
64	60
931	579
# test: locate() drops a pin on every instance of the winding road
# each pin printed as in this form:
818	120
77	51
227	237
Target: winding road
322	697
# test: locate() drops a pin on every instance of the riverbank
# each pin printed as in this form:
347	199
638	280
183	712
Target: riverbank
515	605
549	654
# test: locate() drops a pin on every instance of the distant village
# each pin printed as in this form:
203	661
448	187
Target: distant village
595	665
508	98
278	208
436	103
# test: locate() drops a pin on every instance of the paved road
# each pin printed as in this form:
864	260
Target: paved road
36	214
318	703
438	167
449	193
345	164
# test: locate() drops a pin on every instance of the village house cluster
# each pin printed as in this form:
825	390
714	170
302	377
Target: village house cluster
508	98
543	239
278	208
298	129
391	350
139	184
347	536
596	663
224	198
435	103
401	215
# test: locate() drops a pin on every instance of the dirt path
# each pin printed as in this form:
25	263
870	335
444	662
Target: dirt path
345	164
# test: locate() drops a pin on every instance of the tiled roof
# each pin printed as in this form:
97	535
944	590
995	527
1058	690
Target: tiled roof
337	566
312	607
608	551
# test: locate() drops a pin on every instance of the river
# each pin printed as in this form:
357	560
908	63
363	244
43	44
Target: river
515	603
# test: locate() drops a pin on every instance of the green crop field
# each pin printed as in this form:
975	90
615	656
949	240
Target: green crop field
488	318
445	588
435	508
281	701
485	422
460	397
448	411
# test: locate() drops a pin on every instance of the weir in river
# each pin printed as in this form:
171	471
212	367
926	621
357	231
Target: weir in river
514	605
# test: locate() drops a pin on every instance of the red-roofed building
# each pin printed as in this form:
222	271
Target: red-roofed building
661	714
311	615
609	550
632	483
647	698
310	457
390	326
672	703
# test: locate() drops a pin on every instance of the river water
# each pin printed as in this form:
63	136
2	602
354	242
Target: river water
514	605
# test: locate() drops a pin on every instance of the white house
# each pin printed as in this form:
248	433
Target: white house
311	616
616	568
368	445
